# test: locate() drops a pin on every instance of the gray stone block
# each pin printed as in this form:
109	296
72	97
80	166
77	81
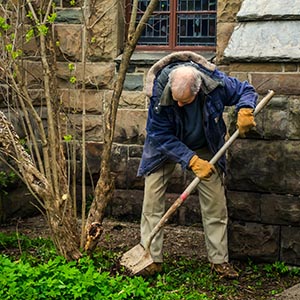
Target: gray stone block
257	241
257	166
275	119
293	131
272	41
290	245
69	16
269	10
134	82
280	209
244	206
130	126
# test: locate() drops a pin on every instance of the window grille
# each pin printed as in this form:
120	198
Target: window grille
179	23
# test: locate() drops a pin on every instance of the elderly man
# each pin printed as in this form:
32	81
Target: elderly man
185	125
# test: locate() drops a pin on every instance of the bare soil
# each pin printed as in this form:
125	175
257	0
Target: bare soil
121	236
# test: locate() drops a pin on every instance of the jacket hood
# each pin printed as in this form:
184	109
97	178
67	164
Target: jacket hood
184	56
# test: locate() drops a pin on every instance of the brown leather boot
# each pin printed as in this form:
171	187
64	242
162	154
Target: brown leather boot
225	270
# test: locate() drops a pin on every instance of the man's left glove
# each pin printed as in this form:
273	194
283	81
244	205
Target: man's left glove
245	121
202	168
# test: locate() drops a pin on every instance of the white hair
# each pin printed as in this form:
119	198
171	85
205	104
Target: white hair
185	76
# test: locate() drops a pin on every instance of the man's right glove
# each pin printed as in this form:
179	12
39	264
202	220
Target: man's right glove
202	168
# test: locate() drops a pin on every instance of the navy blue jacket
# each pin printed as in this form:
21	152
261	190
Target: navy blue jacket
165	127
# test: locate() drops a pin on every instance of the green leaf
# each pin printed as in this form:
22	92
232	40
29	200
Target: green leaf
29	35
52	18
43	29
73	79
71	67
68	137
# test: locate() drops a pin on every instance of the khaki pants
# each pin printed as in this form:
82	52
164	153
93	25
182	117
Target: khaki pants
213	209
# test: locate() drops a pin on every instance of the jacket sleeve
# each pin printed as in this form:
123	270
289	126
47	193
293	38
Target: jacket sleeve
162	134
238	93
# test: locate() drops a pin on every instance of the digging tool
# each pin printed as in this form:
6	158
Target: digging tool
138	258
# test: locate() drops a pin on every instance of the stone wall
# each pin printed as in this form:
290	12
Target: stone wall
263	169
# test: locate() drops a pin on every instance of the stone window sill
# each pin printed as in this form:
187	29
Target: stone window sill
146	58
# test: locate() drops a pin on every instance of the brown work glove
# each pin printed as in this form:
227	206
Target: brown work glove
245	121
202	168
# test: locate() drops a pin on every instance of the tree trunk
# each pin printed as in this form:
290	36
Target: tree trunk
105	186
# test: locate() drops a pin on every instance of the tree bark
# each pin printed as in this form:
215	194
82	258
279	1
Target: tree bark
105	186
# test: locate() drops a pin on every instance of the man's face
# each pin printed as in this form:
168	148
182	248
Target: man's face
184	98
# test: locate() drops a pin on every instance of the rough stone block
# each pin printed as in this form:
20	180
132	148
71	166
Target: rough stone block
126	205
274	42
132	181
272	122
276	118
281	83
73	100
242	76
134	82
224	31
257	241
93	156
290	245
69	16
293	131
292	67
37	97
227	10
244	206
107	31
133	100
34	74
73	125
291	174
135	151
96	75
130	126
268	10
257	166
280	209
119	162
272	167
256	67
19	203
69	37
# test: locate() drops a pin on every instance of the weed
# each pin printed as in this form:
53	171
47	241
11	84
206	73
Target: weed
38	273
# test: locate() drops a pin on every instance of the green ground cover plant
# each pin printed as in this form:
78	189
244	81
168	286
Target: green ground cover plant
30	269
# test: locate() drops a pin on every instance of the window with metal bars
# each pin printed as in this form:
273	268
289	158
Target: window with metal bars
179	24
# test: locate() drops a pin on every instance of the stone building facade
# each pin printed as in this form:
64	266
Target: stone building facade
263	176
257	41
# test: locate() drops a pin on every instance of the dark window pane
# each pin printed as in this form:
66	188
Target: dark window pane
196	5
196	30
163	5
212	5
156	31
